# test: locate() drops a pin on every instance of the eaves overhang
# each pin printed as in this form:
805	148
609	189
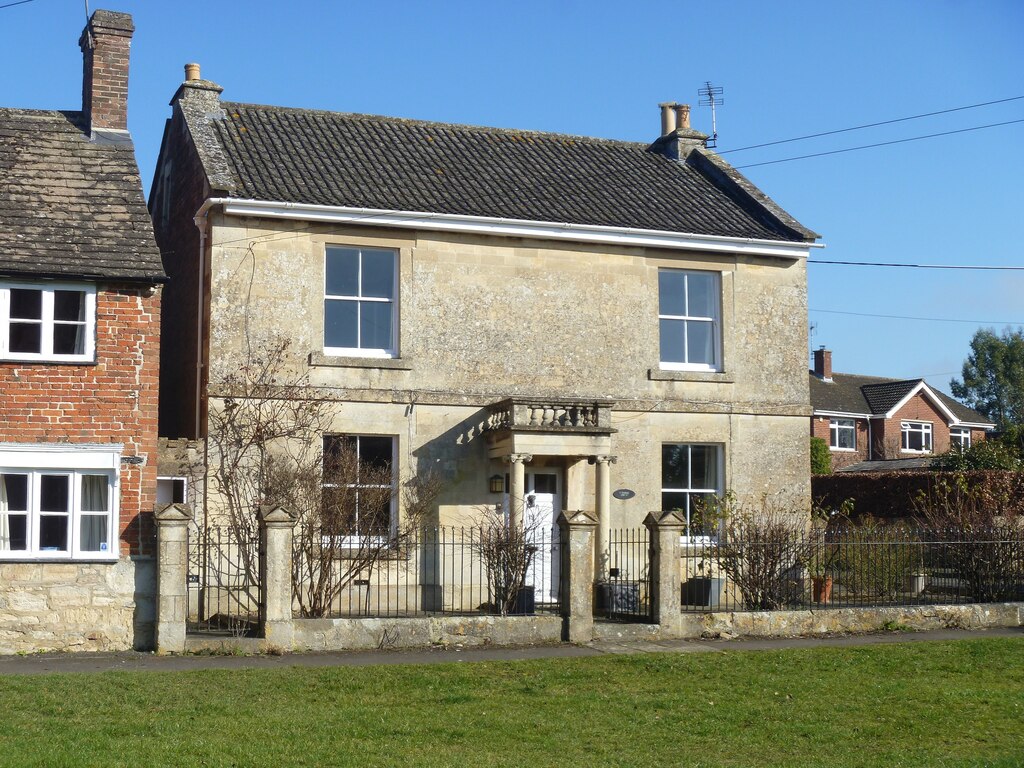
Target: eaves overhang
502	227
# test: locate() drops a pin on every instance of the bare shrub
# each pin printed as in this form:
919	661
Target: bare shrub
507	551
763	549
982	538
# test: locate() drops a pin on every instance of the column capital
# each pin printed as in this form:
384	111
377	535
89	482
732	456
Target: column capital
515	458
603	459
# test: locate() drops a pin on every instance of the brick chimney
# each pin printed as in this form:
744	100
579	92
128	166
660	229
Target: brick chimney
105	44
823	364
677	138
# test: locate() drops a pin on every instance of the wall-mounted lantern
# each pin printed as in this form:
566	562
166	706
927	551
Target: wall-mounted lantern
497	484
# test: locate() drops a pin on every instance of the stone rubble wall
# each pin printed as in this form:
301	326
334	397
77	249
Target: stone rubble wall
77	606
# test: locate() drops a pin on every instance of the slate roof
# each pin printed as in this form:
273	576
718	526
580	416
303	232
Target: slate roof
365	161
875	395
70	206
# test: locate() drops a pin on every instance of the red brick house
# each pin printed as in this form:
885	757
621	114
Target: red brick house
80	279
874	419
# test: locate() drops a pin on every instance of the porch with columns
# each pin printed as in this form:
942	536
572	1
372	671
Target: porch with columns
564	434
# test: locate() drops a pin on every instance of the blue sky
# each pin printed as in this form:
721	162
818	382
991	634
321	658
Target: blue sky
600	68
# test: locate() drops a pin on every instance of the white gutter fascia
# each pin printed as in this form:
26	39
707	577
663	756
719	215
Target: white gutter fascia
503	227
843	415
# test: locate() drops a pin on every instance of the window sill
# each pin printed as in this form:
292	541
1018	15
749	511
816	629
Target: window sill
319	359
62	560
842	450
43	361
711	377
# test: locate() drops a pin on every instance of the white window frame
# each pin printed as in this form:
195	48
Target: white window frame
74	462
356	540
715	319
924	427
835	426
388	352
46	353
687	537
961	436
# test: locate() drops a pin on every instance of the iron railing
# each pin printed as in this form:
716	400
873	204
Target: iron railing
223	581
426	571
623	587
855	568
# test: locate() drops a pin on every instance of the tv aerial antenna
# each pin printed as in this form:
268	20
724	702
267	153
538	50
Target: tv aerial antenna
711	96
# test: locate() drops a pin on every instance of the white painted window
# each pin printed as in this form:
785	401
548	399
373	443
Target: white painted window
359	485
917	436
58	503
691	475
842	434
689	312
959	438
360	302
47	322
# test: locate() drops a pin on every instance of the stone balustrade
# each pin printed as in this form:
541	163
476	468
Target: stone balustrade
551	415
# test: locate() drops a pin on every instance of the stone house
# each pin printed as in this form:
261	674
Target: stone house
893	423
80	279
569	322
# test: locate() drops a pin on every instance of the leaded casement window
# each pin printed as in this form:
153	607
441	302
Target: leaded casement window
57	513
916	436
359	485
959	438
47	322
689	319
360	302
691	482
842	434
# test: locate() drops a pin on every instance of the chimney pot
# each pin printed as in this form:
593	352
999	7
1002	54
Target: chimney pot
668	117
823	364
192	72
682	117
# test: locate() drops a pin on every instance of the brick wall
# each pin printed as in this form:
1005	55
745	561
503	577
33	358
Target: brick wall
887	434
111	401
820	428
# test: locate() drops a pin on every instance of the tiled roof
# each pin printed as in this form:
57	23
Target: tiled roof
849	393
362	161
70	206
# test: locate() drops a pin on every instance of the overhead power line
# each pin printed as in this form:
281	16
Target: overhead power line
11	5
871	125
882	144
917	266
928	319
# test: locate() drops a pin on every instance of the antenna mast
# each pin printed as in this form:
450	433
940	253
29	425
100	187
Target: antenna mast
711	96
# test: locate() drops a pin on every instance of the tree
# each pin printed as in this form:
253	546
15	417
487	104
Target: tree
993	376
821	457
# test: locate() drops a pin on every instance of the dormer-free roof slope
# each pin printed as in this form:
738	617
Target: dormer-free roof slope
71	206
875	396
311	157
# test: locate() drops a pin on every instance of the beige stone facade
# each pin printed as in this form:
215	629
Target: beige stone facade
483	319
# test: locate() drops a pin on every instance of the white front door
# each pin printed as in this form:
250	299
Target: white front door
542	505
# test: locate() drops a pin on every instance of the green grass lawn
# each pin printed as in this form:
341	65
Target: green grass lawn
928	704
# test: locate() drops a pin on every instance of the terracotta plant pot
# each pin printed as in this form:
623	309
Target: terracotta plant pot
821	589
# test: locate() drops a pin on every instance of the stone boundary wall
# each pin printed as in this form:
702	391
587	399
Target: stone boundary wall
765	624
77	606
370	634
